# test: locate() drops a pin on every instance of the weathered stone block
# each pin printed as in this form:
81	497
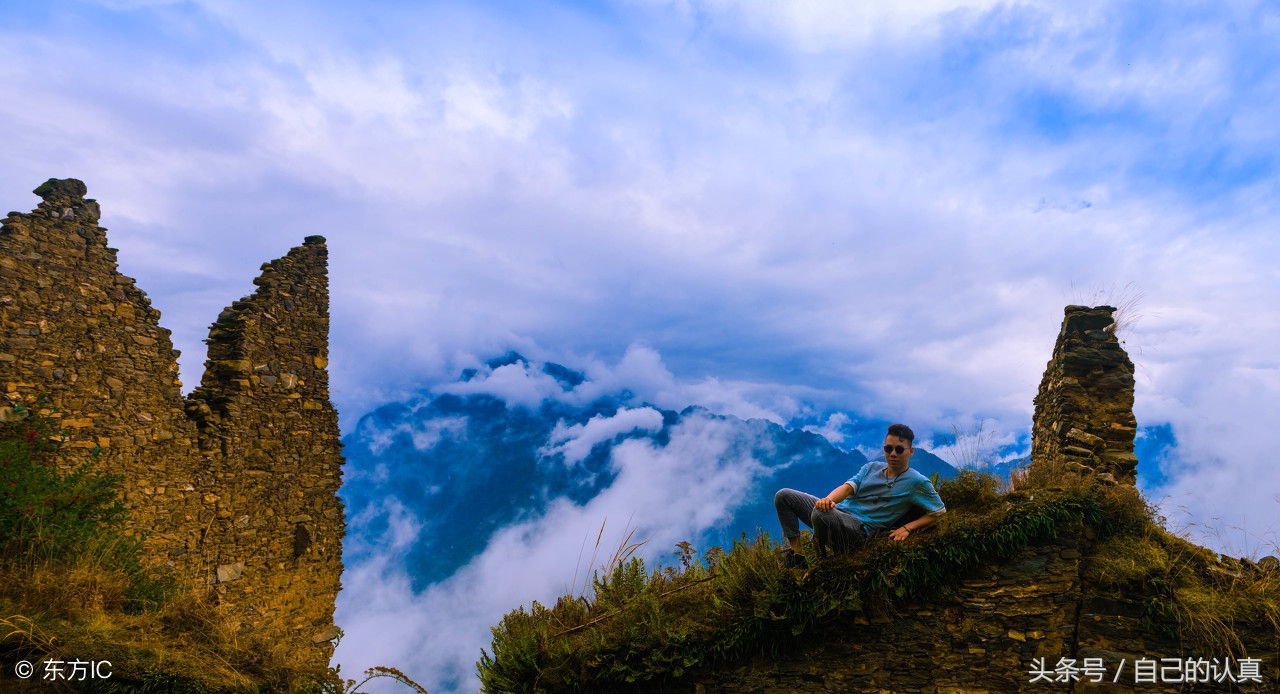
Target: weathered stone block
230	572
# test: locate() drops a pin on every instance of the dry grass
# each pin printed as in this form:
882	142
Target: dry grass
625	549
78	611
1192	594
1019	477
1235	540
972	449
1202	600
1125	300
1055	473
381	672
51	610
71	592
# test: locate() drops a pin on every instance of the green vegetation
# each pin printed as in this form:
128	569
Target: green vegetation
653	627
1190	593
41	512
75	585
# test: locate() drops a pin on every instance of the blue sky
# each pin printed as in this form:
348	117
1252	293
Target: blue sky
788	208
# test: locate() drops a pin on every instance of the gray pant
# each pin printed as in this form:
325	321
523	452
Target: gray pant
837	528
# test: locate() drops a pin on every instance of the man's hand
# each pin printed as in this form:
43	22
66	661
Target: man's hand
836	496
900	533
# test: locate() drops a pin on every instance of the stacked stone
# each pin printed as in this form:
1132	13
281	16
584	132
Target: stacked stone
274	545
982	640
237	485
1084	409
80	343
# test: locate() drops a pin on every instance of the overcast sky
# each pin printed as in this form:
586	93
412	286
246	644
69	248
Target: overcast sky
790	208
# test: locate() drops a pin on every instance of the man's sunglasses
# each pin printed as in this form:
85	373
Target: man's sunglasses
895	449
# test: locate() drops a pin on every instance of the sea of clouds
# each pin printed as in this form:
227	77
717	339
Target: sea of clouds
660	492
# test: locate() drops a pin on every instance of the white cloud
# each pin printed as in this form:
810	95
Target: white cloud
640	372
507	112
403	527
513	383
832	430
818	25
134	4
424	434
576	441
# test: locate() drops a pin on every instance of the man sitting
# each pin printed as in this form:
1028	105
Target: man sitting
884	497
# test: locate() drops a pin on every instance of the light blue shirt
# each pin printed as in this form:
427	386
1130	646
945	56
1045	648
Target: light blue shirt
878	501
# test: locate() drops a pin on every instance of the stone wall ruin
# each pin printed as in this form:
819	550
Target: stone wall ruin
1084	410
234	486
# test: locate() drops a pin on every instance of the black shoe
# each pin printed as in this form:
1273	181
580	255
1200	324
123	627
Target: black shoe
791	560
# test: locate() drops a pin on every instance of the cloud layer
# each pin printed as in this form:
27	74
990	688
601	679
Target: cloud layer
662	494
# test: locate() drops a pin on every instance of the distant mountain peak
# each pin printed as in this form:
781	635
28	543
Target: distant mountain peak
566	377
511	357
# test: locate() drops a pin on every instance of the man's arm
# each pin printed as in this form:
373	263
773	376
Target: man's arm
903	532
836	496
926	497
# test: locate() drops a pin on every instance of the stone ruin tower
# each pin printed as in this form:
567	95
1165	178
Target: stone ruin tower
1084	409
235	486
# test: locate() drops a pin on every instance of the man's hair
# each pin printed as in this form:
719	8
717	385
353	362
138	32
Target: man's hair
903	432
